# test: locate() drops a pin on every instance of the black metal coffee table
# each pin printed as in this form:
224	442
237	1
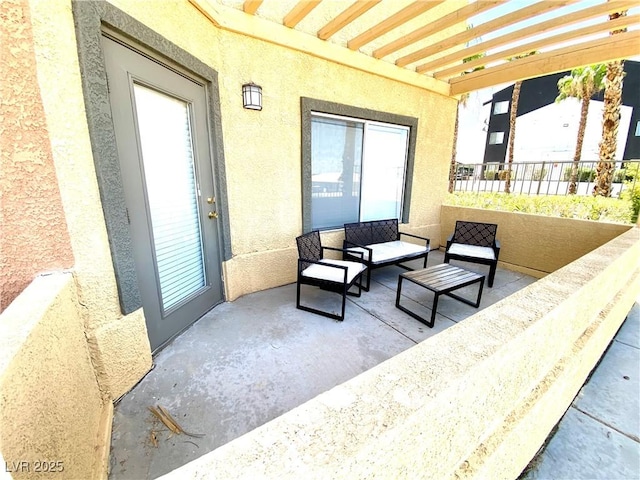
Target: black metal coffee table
441	280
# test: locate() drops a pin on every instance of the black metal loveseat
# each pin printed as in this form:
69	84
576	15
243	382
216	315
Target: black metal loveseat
379	244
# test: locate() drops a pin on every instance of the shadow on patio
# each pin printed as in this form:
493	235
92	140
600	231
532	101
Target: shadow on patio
251	360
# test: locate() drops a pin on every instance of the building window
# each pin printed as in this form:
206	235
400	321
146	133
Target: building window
496	138
358	170
501	107
357	164
637	134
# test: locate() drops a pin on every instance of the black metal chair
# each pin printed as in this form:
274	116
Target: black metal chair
332	275
474	242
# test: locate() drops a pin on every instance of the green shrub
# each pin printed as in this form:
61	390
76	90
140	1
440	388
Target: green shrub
584	174
490	174
631	188
631	172
570	206
496	174
631	194
539	174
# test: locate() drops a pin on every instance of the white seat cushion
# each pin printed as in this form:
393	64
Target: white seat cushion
365	253
390	251
332	274
485	253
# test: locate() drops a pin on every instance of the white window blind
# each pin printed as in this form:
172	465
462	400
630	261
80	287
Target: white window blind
167	152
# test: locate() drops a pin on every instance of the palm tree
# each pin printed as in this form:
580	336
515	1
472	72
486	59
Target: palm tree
610	121
462	102
513	115
582	83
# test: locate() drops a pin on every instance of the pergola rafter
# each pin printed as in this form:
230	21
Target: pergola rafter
476	32
301	10
251	6
436	26
614	47
519	35
426	42
360	7
621	22
392	22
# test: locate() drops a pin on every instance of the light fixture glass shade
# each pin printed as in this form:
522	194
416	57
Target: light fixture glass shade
252	96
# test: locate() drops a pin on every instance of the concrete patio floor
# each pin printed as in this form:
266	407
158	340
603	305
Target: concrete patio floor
246	362
599	435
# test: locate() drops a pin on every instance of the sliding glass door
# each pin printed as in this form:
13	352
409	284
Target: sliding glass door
358	170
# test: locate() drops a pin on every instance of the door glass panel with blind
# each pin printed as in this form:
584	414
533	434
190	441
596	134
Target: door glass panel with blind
358	170
169	175
161	124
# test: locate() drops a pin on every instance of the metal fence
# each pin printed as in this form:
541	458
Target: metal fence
542	178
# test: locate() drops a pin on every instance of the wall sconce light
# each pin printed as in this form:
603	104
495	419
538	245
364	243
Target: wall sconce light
252	96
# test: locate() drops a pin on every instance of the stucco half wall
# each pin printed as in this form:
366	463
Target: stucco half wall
535	244
279	267
52	408
475	401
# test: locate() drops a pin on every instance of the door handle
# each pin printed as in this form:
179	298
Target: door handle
213	215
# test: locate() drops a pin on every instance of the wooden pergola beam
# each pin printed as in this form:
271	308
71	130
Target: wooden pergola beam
614	47
346	17
620	22
250	6
298	12
449	20
407	13
461	38
519	35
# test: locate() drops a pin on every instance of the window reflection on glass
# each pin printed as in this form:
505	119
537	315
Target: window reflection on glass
336	160
496	138
357	170
383	172
501	107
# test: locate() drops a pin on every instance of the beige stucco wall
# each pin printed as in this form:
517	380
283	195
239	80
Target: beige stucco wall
535	244
119	344
264	174
475	401
33	229
263	149
51	407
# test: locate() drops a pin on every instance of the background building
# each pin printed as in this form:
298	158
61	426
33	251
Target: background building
547	131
